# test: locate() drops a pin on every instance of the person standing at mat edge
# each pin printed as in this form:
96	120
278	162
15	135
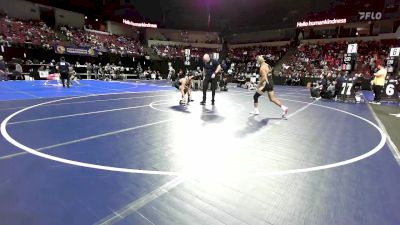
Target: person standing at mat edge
378	83
266	85
211	68
63	68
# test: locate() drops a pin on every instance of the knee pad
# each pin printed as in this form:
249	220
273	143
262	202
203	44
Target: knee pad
256	96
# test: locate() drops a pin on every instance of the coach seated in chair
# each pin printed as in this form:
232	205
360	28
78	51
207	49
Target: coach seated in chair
288	80
241	80
223	83
315	91
324	85
338	85
196	81
330	91
357	82
320	88
296	81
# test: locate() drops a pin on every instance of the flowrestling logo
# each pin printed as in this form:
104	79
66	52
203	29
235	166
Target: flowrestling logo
370	15
321	22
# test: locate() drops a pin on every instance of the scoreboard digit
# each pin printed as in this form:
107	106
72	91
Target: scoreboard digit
347	92
390	92
352	48
394	52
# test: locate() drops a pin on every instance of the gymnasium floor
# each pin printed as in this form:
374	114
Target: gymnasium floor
127	153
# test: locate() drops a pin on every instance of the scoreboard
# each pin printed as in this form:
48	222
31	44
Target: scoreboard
390	92
392	62
349	59
187	57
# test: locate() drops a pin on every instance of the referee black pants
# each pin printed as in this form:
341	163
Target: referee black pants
65	77
206	82
377	91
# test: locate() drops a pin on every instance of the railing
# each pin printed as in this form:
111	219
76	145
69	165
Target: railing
271	44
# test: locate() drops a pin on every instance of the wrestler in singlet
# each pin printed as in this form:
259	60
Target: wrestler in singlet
266	85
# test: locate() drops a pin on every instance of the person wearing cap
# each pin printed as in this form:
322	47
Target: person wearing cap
378	82
63	68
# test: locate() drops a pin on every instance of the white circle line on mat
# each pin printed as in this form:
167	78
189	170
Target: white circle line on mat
6	135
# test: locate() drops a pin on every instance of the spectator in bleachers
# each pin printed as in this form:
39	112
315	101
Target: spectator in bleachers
37	33
327	58
247	54
3	69
172	52
18	72
89	70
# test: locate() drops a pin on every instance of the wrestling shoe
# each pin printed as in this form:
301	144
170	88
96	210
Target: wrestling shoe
284	111
255	112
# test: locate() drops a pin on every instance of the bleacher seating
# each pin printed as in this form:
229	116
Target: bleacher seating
314	60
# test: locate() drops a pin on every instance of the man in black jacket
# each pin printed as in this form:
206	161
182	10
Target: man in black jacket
63	68
211	68
338	85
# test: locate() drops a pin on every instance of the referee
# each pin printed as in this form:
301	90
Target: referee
63	68
211	68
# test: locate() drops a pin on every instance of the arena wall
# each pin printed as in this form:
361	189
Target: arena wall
262	36
274	43
20	9
176	35
64	17
121	29
195	45
25	10
353	39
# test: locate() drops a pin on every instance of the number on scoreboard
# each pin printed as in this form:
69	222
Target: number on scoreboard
352	48
187	52
347	59
390	91
394	52
216	56
43	74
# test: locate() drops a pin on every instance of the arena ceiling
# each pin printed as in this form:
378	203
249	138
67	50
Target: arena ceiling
225	15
